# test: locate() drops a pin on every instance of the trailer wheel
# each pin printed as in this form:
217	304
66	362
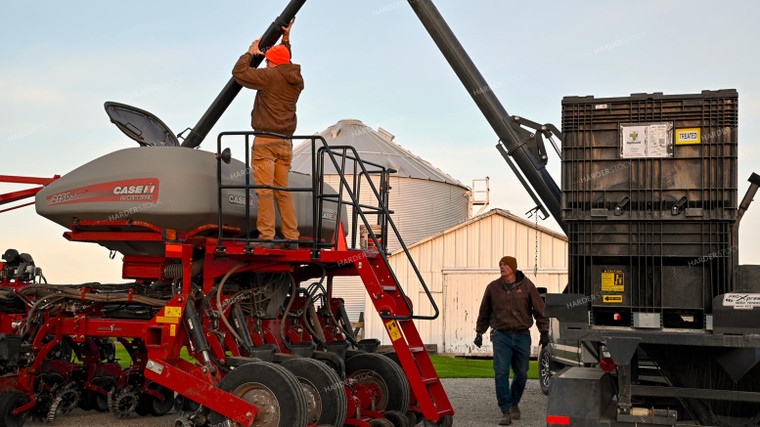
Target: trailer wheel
380	422
545	369
384	376
9	401
274	391
325	393
444	421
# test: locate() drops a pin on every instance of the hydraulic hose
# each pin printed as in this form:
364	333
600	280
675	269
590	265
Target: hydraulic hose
219	301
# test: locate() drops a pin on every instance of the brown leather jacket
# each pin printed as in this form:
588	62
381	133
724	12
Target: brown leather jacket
278	88
511	311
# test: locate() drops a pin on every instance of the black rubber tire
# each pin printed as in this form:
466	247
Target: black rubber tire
151	405
445	421
413	418
98	401
545	367
381	370
84	403
398	419
275	380
9	401
142	409
380	422
323	380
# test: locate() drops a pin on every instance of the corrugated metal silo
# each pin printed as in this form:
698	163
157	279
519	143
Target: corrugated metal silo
424	199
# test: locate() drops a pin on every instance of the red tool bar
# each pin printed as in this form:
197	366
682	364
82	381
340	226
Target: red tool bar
27	179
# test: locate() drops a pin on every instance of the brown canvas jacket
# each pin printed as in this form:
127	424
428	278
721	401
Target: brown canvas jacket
511	311
278	88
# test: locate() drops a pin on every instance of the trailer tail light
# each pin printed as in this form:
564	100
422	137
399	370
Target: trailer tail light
607	364
565	421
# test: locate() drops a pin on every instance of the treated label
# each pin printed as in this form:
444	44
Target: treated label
612	281
393	330
688	136
612	299
173	311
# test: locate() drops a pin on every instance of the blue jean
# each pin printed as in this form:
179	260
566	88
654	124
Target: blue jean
510	350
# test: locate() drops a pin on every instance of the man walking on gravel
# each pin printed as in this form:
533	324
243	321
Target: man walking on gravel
509	305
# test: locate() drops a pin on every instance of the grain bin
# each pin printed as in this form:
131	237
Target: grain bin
424	199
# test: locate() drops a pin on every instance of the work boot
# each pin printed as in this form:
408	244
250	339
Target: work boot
265	245
506	419
515	412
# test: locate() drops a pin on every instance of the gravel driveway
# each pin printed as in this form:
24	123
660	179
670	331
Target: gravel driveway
474	402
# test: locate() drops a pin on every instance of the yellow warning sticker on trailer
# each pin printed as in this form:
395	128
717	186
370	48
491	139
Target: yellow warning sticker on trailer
688	136
173	311
393	330
173	330
612	299
613	281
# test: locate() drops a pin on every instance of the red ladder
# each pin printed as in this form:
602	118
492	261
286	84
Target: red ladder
390	302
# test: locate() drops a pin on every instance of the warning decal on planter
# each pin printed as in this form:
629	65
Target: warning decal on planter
393	330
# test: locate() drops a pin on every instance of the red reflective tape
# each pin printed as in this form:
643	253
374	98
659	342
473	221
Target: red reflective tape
558	420
173	250
130	295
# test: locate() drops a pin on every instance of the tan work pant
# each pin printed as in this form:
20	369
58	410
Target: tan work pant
271	164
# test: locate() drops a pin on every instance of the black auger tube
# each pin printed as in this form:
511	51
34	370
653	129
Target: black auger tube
489	105
230	91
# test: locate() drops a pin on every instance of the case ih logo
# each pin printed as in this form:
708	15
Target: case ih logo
142	190
134	189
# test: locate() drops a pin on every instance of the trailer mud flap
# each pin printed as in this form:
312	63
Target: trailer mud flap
581	397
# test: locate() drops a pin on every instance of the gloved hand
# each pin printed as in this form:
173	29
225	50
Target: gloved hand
478	340
544	339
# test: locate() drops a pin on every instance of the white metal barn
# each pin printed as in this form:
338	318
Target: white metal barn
424	199
459	262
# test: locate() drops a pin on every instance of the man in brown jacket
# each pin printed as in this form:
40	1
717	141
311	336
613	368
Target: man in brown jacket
274	110
509	305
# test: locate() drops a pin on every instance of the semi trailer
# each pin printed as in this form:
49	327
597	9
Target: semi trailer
658	323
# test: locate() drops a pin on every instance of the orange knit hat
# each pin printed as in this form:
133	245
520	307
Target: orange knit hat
278	55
